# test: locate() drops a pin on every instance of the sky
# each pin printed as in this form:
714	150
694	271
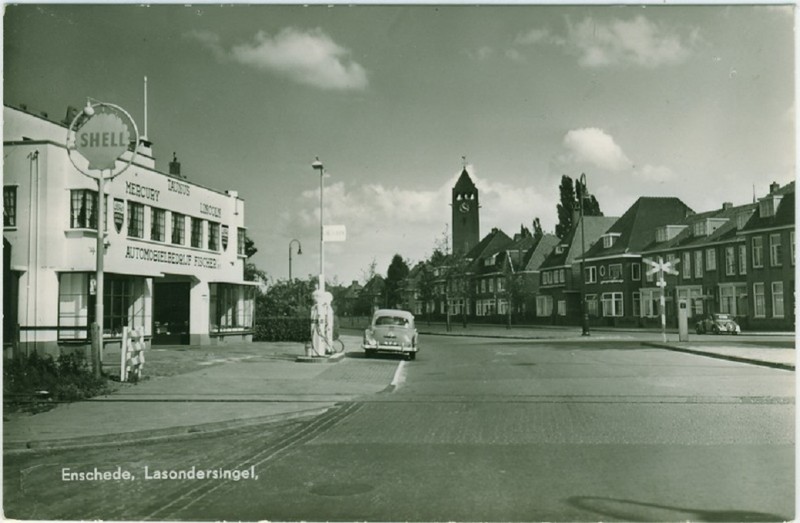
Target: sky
691	101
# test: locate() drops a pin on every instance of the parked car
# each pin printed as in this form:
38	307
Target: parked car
718	324
391	331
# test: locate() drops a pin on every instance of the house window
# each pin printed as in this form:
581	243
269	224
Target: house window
615	271
240	236
711	259
759	305
636	271
562	277
791	243
590	274
591	304
686	270
602	271
775	250
637	305
730	261
483	286
501	284
135	220
73	306
612	304
213	236
609	239
698	264
158	224
491	284
732	299
758	251
650	302
124	300
742	259
544	306
562	307
231	307
178	228
694	299
649	275
83	209
10	206
196	237
777	299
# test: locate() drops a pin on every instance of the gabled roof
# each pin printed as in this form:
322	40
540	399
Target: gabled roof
783	216
492	243
686	237
635	229
374	286
536	256
593	228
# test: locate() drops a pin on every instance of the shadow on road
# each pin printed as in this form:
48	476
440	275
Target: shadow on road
624	509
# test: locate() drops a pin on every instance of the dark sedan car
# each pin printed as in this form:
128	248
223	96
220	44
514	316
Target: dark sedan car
718	324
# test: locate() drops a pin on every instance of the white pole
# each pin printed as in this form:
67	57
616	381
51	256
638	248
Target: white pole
97	345
321	233
145	108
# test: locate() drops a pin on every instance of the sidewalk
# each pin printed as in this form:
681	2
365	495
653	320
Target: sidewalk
770	349
259	382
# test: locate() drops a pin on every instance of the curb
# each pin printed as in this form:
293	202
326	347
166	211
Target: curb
155	435
321	359
737	359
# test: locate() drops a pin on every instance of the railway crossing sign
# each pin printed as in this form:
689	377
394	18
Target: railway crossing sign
661	266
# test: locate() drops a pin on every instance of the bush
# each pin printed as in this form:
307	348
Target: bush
287	328
28	379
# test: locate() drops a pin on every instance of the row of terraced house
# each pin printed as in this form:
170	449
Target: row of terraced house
738	260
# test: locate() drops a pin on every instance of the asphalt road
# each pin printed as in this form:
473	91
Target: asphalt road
473	430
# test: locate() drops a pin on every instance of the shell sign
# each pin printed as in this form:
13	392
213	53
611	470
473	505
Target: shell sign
102	140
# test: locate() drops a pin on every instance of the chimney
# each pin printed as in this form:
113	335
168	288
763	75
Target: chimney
175	166
773	187
727	205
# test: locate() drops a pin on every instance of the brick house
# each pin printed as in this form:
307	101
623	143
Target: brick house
769	239
613	265
709	257
558	300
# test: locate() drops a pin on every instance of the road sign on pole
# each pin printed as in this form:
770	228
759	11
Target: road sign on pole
334	233
662	267
101	134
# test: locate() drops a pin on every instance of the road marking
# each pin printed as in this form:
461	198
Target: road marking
399	375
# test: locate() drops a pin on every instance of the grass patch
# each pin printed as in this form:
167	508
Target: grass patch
34	382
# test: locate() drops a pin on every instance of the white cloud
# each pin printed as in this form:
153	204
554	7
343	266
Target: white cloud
481	53
620	42
383	220
306	57
514	55
617	42
654	173
595	147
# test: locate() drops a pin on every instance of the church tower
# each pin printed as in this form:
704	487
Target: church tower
466	224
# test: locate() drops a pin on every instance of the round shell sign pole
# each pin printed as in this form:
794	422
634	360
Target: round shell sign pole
101	134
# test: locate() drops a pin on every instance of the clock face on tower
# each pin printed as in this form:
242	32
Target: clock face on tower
464	207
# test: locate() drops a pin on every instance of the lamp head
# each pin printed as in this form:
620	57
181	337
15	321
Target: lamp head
88	110
317	164
299	250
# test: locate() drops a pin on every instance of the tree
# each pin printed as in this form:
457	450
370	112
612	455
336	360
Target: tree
425	287
370	272
537	230
591	207
251	272
397	272
566	207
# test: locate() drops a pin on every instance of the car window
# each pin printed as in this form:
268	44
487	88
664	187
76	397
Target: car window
391	320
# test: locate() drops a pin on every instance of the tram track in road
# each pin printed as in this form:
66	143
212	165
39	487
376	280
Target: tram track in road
313	429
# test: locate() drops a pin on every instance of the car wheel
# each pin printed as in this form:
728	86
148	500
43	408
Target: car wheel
368	353
412	356
715	329
699	329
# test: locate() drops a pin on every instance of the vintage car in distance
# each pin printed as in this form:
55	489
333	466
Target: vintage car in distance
391	331
718	324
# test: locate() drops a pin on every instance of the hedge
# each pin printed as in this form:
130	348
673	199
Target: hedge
287	328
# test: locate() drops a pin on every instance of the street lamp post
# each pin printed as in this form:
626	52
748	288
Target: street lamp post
584	310
299	251
317	165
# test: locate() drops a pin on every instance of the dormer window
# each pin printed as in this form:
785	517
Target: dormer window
560	248
699	229
767	207
668	232
610	239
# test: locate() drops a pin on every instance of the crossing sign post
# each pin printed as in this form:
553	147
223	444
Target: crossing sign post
662	267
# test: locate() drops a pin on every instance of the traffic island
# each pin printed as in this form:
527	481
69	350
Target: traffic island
333	358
